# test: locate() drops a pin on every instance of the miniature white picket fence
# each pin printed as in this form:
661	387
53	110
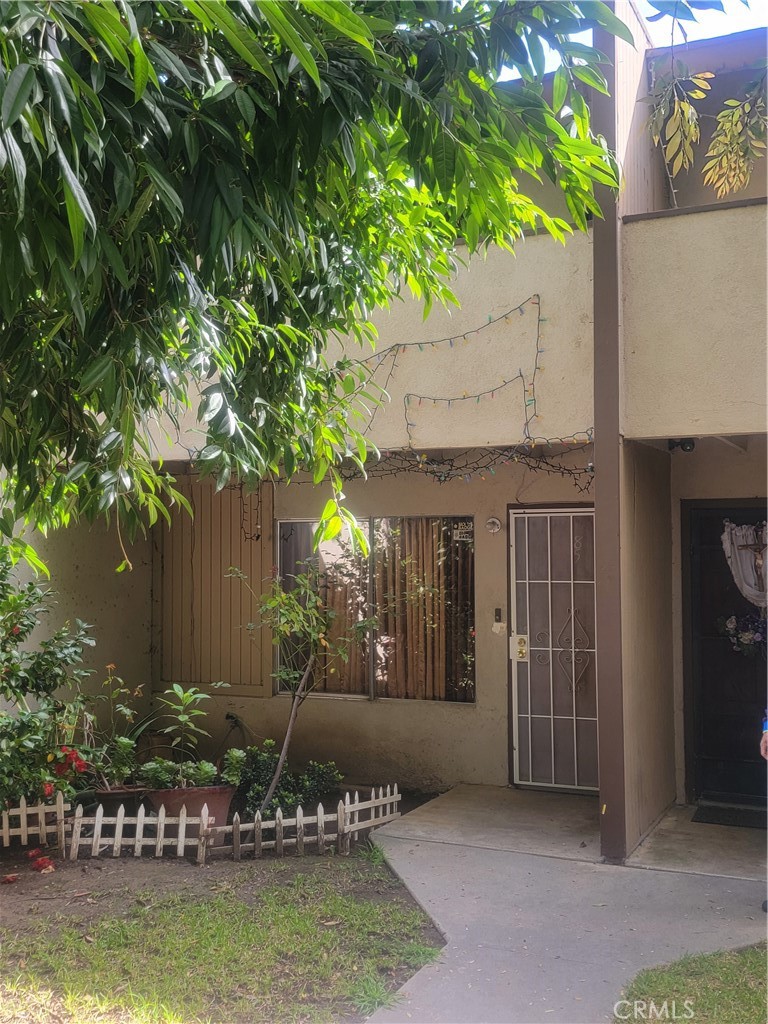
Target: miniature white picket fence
33	822
83	834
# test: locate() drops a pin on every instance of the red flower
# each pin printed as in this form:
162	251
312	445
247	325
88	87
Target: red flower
61	769
43	864
16	630
80	765
31	854
48	788
7	879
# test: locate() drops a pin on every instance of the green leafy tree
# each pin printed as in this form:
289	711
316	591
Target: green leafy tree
41	706
310	639
197	196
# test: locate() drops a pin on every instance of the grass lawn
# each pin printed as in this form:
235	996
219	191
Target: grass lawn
724	988
141	942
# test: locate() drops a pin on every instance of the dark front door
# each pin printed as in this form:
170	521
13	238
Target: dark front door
726	689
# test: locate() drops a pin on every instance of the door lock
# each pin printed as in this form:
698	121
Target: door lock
522	648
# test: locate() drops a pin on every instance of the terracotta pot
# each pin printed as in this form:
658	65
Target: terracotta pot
129	796
218	799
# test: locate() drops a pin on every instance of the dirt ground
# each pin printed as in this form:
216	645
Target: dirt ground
78	895
82	890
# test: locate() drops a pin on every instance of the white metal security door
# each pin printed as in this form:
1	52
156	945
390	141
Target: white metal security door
552	648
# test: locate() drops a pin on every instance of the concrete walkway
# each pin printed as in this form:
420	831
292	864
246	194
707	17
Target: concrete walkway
543	939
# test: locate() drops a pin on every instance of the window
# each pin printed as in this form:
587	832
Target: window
418	586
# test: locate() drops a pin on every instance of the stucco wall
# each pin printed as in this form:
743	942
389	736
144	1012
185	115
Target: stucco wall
82	562
433	383
422	744
548	289
694	320
714	470
646	631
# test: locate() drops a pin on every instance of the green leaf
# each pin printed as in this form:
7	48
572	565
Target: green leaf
332	528
678	9
77	190
319	473
219	90
604	16
18	90
18	165
444	159
76	223
241	39
343	18
246	106
168	194
142	205
115	259
590	77
141	70
329	510
280	24
95	374
559	89
79	210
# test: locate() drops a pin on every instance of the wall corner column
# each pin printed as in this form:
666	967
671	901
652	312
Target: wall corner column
607	455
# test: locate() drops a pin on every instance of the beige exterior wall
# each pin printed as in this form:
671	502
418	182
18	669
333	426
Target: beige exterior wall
694	322
492	354
552	285
82	562
421	744
646	632
714	470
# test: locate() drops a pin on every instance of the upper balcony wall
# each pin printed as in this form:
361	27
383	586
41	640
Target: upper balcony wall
513	362
736	61
690	189
694	323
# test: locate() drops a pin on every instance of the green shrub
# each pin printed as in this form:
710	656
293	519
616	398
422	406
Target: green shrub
233	766
36	720
295	788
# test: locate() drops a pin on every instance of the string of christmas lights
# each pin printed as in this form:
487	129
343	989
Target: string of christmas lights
481	463
535	452
550	455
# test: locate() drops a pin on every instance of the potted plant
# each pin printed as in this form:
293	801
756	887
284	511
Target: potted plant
114	736
191	782
114	766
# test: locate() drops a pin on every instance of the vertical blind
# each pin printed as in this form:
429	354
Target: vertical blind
418	585
203	611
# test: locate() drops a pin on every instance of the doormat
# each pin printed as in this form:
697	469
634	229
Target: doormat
743	817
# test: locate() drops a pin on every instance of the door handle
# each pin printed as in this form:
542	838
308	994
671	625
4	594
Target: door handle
522	648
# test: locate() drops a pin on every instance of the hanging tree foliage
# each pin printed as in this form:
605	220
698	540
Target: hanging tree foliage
197	195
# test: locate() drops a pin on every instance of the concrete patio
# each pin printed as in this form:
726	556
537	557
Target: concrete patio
536	930
516	820
567	825
679	844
